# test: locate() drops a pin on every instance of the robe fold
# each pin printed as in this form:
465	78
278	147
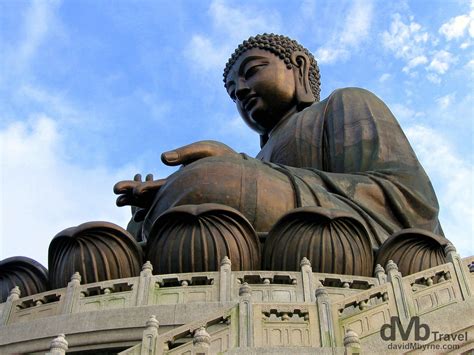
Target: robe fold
349	153
346	153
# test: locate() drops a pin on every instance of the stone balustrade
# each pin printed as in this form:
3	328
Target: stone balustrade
247	309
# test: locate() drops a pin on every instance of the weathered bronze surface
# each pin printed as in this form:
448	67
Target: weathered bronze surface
346	156
333	240
30	276
99	251
336	181
413	250
198	237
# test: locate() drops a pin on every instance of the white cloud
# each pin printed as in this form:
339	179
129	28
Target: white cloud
357	24
157	107
356	28
54	103
43	193
404	113
205	54
328	55
308	9
456	27
406	41
236	130
414	62
245	21
384	77
445	101
460	28
411	43
454	185
211	52
435	79
37	23
470	65
441	62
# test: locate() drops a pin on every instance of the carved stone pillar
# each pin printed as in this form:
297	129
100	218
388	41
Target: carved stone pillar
394	277
307	276
225	280
351	343
201	341
245	316
326	324
72	293
150	334
58	346
462	273
8	307
380	274
144	283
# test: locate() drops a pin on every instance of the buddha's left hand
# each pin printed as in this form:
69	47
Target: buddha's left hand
195	151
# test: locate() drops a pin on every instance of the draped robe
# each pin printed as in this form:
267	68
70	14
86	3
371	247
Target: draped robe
345	153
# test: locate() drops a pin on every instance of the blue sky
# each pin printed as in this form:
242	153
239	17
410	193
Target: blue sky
91	92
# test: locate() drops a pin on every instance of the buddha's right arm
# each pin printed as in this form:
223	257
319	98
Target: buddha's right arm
192	152
142	193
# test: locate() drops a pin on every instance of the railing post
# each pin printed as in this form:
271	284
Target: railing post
72	293
325	318
394	277
144	282
58	345
7	309
225	280
460	270
351	343
201	341
307	276
245	316
150	334
380	274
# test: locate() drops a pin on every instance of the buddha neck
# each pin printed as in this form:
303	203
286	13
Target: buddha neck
282	120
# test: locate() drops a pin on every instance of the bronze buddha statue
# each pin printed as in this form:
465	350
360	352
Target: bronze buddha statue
336	181
333	181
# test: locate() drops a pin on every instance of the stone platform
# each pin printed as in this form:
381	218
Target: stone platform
245	312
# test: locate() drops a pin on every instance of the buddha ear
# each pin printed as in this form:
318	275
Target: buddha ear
304	94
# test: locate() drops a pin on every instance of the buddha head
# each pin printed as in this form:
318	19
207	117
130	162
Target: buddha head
270	77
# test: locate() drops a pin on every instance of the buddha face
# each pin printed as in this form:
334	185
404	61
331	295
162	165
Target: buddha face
263	89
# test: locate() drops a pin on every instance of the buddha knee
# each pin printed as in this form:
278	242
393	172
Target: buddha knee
112	253
196	238
413	250
23	276
332	240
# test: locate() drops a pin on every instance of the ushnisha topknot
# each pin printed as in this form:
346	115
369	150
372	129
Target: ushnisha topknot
283	47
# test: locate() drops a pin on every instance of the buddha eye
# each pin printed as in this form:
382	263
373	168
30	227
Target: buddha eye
232	95
231	91
252	70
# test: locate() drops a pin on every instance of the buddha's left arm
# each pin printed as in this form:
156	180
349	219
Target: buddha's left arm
369	161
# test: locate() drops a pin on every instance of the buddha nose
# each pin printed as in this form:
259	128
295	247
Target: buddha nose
242	90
